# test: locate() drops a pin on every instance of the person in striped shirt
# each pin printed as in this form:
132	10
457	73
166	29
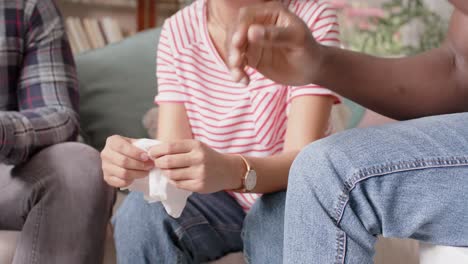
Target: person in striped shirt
219	135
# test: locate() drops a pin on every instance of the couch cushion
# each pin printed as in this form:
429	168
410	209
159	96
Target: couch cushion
117	85
357	113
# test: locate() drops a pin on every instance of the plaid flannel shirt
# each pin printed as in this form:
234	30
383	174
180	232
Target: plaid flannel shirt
38	84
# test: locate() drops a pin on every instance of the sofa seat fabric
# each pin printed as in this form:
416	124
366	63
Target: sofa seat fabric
389	251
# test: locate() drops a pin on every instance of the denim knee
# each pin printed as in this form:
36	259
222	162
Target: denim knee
137	223
263	230
310	164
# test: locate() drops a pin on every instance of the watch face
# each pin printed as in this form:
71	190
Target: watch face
251	180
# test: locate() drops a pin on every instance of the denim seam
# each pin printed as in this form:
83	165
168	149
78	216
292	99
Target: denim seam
340	247
230	228
194	221
245	252
381	170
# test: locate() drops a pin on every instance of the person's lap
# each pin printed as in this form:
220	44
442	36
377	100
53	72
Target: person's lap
407	180
263	230
59	201
209	228
401	180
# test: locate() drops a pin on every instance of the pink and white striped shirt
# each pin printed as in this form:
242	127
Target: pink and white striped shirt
225	115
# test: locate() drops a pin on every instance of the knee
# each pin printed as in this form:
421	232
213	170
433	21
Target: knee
264	222
74	169
310	165
265	213
136	223
325	162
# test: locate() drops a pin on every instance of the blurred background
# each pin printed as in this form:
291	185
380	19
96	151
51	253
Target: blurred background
380	27
94	24
392	27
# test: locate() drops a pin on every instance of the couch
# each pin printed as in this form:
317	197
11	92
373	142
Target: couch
117	89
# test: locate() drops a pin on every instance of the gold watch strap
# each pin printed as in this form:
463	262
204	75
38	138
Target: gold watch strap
242	189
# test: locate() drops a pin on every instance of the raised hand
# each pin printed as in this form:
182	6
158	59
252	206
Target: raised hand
271	39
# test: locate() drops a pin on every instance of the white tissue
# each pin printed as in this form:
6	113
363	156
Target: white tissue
157	188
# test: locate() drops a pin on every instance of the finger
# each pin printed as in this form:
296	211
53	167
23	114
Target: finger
273	36
126	162
255	55
176	161
238	41
238	63
237	44
178	174
236	47
117	182
264	13
172	148
111	169
239	75
124	146
188	185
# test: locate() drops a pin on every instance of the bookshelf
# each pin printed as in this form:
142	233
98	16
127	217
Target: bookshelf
153	12
96	23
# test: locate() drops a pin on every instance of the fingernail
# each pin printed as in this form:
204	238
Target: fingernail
144	157
256	33
236	38
232	59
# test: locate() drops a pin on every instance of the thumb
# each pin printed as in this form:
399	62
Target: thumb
273	36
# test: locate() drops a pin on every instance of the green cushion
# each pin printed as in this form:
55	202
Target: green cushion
117	85
357	113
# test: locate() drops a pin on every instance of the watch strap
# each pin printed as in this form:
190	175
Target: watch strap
243	189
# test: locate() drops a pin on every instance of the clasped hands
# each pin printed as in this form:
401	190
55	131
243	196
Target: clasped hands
188	164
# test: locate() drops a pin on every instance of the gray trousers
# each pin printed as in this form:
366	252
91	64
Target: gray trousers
60	203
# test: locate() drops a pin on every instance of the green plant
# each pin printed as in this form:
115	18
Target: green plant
384	35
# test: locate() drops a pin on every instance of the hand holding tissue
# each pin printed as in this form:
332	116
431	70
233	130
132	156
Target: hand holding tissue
156	187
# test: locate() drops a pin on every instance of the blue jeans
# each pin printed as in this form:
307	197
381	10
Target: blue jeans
404	180
210	227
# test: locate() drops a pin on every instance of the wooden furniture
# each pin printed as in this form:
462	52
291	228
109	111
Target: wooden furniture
133	15
149	11
146	17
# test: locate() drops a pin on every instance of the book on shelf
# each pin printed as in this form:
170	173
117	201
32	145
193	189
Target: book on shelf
111	30
92	33
93	29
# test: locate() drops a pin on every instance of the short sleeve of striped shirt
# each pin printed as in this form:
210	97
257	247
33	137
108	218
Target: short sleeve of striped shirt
323	23
170	89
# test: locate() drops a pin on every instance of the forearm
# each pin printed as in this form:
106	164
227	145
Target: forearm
46	90
272	172
308	121
401	88
26	132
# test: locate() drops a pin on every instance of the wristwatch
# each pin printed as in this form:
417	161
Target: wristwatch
249	180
